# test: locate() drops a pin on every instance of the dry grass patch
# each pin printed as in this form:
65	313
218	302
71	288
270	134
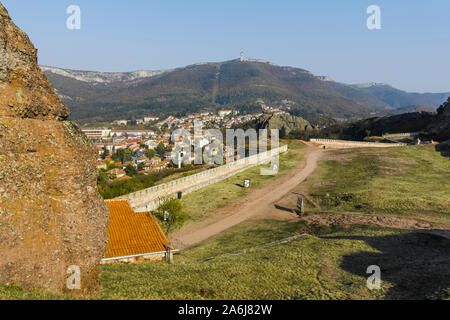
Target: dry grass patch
404	181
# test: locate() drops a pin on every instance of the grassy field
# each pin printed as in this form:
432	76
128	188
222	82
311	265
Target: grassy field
198	204
15	293
405	181
327	264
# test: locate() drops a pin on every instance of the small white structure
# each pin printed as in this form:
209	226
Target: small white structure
243	59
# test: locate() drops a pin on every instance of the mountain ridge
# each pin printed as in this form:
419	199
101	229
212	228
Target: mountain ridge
103	77
209	86
384	97
205	86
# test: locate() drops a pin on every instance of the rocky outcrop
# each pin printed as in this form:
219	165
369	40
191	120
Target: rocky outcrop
25	91
51	214
285	123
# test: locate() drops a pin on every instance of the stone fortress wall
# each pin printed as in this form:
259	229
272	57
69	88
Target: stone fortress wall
150	198
330	143
401	135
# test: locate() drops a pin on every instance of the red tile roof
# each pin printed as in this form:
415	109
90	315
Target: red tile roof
132	233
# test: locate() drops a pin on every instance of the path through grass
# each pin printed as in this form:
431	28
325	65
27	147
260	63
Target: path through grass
204	201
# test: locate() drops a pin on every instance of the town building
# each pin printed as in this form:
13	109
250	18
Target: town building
224	113
119	173
150	119
121	122
131	132
101	165
96	133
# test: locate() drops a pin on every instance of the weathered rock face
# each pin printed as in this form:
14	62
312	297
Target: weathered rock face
25	91
51	214
290	123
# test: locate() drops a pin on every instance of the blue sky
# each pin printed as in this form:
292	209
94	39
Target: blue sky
326	37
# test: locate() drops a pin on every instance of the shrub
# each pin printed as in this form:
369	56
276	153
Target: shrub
177	216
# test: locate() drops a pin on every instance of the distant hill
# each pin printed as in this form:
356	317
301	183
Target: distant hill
416	109
434	125
398	99
361	96
384	98
99	96
206	86
377	126
102	77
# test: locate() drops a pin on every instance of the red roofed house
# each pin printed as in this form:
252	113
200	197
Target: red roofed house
119	173
101	165
133	236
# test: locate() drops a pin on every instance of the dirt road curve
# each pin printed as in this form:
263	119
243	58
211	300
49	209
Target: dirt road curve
259	202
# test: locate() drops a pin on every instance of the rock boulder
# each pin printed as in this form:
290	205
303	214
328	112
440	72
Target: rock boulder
51	214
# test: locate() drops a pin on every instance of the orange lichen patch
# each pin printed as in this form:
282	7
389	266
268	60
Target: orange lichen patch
132	233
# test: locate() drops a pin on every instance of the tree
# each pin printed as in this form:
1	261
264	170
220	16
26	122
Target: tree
283	133
131	171
161	149
299	135
122	155
105	154
140	166
150	153
175	210
441	109
110	165
102	178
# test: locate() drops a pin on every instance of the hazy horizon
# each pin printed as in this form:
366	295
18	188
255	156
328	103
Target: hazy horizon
410	52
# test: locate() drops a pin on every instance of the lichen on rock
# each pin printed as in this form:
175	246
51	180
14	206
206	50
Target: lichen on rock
24	90
51	214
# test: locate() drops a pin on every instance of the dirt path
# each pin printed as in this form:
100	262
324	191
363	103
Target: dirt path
258	203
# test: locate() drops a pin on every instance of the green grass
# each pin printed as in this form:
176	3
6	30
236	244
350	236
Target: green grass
409	181
13	292
329	264
204	201
246	235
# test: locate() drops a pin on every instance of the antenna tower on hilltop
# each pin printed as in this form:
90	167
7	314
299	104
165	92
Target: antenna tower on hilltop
242	56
